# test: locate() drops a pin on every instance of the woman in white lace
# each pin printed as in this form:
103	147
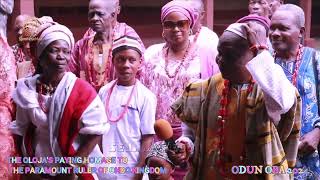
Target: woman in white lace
170	66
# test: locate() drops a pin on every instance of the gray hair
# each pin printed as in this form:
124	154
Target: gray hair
296	11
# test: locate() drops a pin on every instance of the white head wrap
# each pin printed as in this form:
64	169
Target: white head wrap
53	33
238	28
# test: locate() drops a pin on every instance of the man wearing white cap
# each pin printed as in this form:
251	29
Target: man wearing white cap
247	115
130	109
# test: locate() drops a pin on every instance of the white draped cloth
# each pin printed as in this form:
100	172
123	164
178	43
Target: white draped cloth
93	119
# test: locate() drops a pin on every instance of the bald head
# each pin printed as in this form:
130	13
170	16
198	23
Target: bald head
110	5
20	20
233	42
102	14
18	24
233	55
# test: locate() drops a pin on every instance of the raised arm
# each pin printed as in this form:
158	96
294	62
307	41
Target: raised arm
279	93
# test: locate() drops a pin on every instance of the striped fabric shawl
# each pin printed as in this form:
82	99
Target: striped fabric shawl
266	143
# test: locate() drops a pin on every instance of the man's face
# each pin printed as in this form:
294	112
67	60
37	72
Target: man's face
274	4
18	25
284	32
232	59
99	17
259	7
126	63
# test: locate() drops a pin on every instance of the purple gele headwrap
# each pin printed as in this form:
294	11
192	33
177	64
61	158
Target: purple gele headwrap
260	19
181	7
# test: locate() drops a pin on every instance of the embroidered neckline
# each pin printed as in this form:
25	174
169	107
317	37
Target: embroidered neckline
103	69
297	63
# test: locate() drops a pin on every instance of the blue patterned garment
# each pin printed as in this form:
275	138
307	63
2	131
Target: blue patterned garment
307	87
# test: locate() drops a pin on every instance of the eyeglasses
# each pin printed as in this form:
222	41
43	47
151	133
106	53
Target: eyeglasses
182	24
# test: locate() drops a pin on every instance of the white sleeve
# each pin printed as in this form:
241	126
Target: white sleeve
6	6
94	119
20	125
148	115
278	91
102	93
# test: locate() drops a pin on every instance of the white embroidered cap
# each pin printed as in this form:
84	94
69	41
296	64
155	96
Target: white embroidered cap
126	42
238	28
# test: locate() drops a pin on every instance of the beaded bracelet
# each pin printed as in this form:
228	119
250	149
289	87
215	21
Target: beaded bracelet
255	48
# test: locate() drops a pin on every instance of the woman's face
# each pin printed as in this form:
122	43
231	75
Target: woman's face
54	58
176	28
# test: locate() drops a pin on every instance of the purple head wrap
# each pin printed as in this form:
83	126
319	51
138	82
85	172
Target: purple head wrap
260	19
181	7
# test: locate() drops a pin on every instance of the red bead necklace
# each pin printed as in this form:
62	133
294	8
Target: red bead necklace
190	46
180	64
124	111
221	120
106	62
297	64
41	101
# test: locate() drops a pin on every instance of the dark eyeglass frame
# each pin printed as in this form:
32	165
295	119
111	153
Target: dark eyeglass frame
170	25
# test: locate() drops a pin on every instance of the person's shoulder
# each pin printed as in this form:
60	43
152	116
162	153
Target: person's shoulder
26	82
124	26
209	32
153	51
146	93
84	40
144	90
106	87
83	86
215	81
207	38
155	47
25	92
